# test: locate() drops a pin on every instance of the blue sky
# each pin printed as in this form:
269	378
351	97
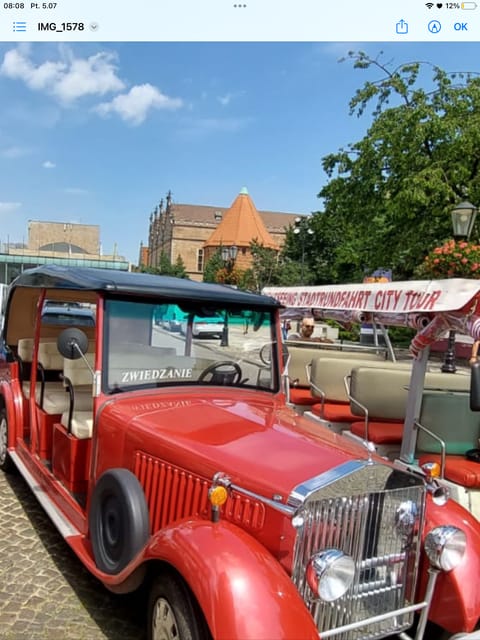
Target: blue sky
98	133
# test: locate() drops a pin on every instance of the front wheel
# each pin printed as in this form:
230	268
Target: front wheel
6	463
173	613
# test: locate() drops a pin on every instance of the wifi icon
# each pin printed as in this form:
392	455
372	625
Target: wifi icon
429	5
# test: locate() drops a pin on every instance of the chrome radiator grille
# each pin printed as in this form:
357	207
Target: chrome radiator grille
385	547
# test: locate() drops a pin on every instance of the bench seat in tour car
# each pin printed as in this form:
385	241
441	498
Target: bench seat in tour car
301	357
327	383
448	416
54	399
379	396
77	415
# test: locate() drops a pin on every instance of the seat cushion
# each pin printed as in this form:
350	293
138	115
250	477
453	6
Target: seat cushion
334	412
302	395
82	424
379	432
49	356
57	399
25	349
458	469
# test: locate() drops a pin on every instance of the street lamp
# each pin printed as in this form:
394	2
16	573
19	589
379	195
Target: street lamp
463	219
229	255
302	230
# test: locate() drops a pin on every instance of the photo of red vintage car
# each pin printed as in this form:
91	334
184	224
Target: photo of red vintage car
180	465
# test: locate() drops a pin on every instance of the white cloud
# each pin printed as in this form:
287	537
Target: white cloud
135	105
15	152
8	207
96	75
225	100
48	164
68	79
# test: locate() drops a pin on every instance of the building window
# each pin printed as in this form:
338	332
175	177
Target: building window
200	258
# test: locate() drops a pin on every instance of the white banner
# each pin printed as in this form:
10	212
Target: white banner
416	296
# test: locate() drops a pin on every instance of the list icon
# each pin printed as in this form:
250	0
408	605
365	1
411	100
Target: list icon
19	27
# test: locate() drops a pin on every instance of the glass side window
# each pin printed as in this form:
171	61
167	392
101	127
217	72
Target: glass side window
149	344
76	314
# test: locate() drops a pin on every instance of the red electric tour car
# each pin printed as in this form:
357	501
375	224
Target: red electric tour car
178	463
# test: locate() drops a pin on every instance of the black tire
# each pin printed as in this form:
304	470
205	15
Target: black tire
118	520
6	463
173	612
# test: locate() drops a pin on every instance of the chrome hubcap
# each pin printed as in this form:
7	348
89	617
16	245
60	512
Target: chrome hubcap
3	441
164	623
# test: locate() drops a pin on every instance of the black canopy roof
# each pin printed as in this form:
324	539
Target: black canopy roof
137	284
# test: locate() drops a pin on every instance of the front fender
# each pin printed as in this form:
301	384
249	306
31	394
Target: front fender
12	399
456	601
242	590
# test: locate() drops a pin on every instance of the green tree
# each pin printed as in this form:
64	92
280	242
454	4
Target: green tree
213	266
265	267
178	269
390	194
165	267
327	254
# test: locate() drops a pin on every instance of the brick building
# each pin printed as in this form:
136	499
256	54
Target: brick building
195	232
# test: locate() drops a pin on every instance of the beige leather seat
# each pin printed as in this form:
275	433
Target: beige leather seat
51	395
25	357
49	392
77	418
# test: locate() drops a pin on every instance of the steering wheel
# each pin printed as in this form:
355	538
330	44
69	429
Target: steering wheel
266	353
232	376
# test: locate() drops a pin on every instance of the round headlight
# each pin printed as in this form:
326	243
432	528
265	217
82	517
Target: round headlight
330	574
445	547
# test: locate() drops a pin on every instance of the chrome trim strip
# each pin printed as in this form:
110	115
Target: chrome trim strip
363	623
301	492
222	479
65	528
287	510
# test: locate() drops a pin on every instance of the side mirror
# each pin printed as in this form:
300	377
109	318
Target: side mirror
475	386
72	343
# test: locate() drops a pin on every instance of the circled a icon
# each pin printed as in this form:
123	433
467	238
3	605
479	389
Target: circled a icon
434	26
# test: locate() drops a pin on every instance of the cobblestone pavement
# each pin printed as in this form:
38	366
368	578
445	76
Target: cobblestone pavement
45	593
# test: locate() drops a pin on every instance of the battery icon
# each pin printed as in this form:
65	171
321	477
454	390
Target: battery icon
469	5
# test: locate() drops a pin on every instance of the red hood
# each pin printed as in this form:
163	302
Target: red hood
257	441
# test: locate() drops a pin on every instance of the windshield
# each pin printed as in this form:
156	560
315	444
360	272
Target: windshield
152	345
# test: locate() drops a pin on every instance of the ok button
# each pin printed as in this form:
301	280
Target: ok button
460	26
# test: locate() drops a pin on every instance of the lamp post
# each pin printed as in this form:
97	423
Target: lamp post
303	231
229	255
463	219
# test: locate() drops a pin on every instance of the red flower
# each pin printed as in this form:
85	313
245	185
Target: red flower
452	259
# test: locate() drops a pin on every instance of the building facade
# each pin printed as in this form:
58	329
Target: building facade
189	231
62	243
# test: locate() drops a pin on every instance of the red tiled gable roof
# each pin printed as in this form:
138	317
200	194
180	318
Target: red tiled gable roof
240	225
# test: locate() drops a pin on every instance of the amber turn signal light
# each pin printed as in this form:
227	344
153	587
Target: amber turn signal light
431	470
217	496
